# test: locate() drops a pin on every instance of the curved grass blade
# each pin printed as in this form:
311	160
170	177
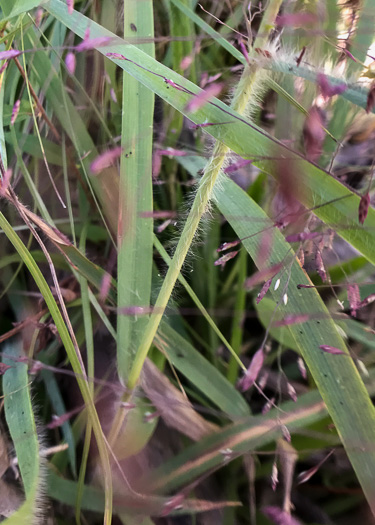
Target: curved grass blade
339	382
337	378
73	358
64	490
216	450
249	434
317	186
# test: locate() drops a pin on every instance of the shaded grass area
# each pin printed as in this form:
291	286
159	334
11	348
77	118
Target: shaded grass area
187	262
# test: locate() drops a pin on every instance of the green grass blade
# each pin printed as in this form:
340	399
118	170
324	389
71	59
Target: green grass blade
338	380
180	47
59	409
13	8
197	302
246	435
135	234
73	358
222	41
19	416
180	27
246	139
238	318
195	367
89	339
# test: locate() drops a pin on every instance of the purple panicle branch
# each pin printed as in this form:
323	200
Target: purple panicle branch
105	160
225	258
327	89
332	350
363	207
279	516
252	372
212	91
264	290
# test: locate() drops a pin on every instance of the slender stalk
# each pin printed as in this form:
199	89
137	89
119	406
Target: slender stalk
243	94
202	309
135	232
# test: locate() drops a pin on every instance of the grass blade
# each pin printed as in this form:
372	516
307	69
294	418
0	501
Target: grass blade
334	378
73	358
21	424
338	380
242	137
135	230
244	436
194	366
